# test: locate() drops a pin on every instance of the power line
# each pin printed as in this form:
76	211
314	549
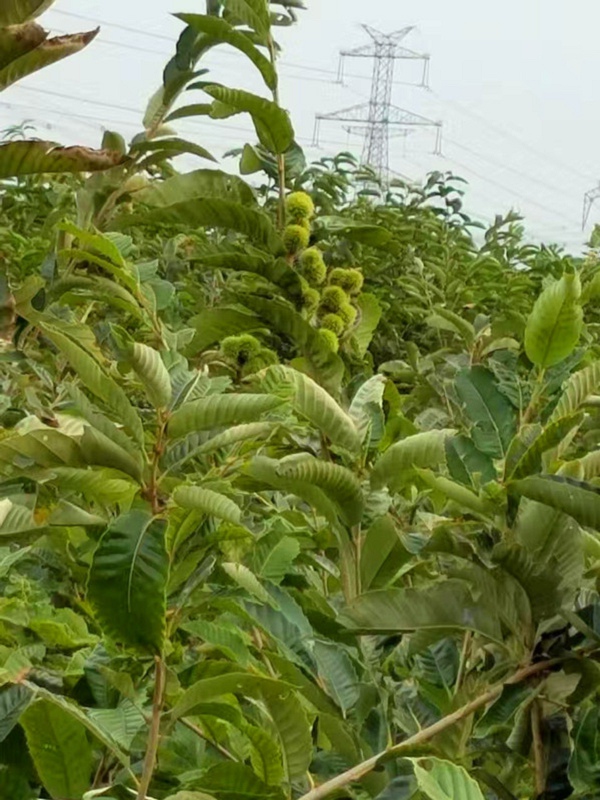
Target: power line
510	135
137	31
509	189
227	53
101	120
87	100
136	48
237	128
503	165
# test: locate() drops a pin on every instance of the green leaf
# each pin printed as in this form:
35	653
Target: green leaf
246	684
15	12
584	766
45	447
15	519
215	324
370	317
312	402
272	123
228	639
382	552
577	389
502	711
258	159
196	498
374	235
224	33
201	183
234	781
191	110
266	471
104	486
293	731
366	409
103	245
538	528
81	716
442	780
254	13
217	411
325	366
47	52
122	724
456	492
239	433
465	461
447	320
99	383
265	756
590	464
247	580
337	674
278	561
100	451
555	323
445	605
578	499
159	150
66	515
60	750
148	365
13	701
438	665
86	409
71	289
64	628
339	484
253	431
127	582
487	409
31	158
277	271
552	436
420	450
211	212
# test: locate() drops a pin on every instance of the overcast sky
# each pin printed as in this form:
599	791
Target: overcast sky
514	84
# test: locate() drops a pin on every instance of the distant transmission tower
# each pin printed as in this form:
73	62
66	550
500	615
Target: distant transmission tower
589	199
379	118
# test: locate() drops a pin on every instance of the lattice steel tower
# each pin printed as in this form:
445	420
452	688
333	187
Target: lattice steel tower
379	118
589	199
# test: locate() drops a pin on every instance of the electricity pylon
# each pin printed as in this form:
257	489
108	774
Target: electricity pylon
589	199
379	119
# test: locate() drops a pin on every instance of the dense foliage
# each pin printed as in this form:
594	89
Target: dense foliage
298	474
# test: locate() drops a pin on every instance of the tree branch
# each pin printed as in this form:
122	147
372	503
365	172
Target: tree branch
538	749
200	733
154	734
359	771
280	156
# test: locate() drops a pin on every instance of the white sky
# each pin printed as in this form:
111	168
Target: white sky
514	84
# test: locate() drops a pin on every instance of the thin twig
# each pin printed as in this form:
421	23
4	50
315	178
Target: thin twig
538	749
157	453
280	156
199	732
160	679
464	657
359	771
